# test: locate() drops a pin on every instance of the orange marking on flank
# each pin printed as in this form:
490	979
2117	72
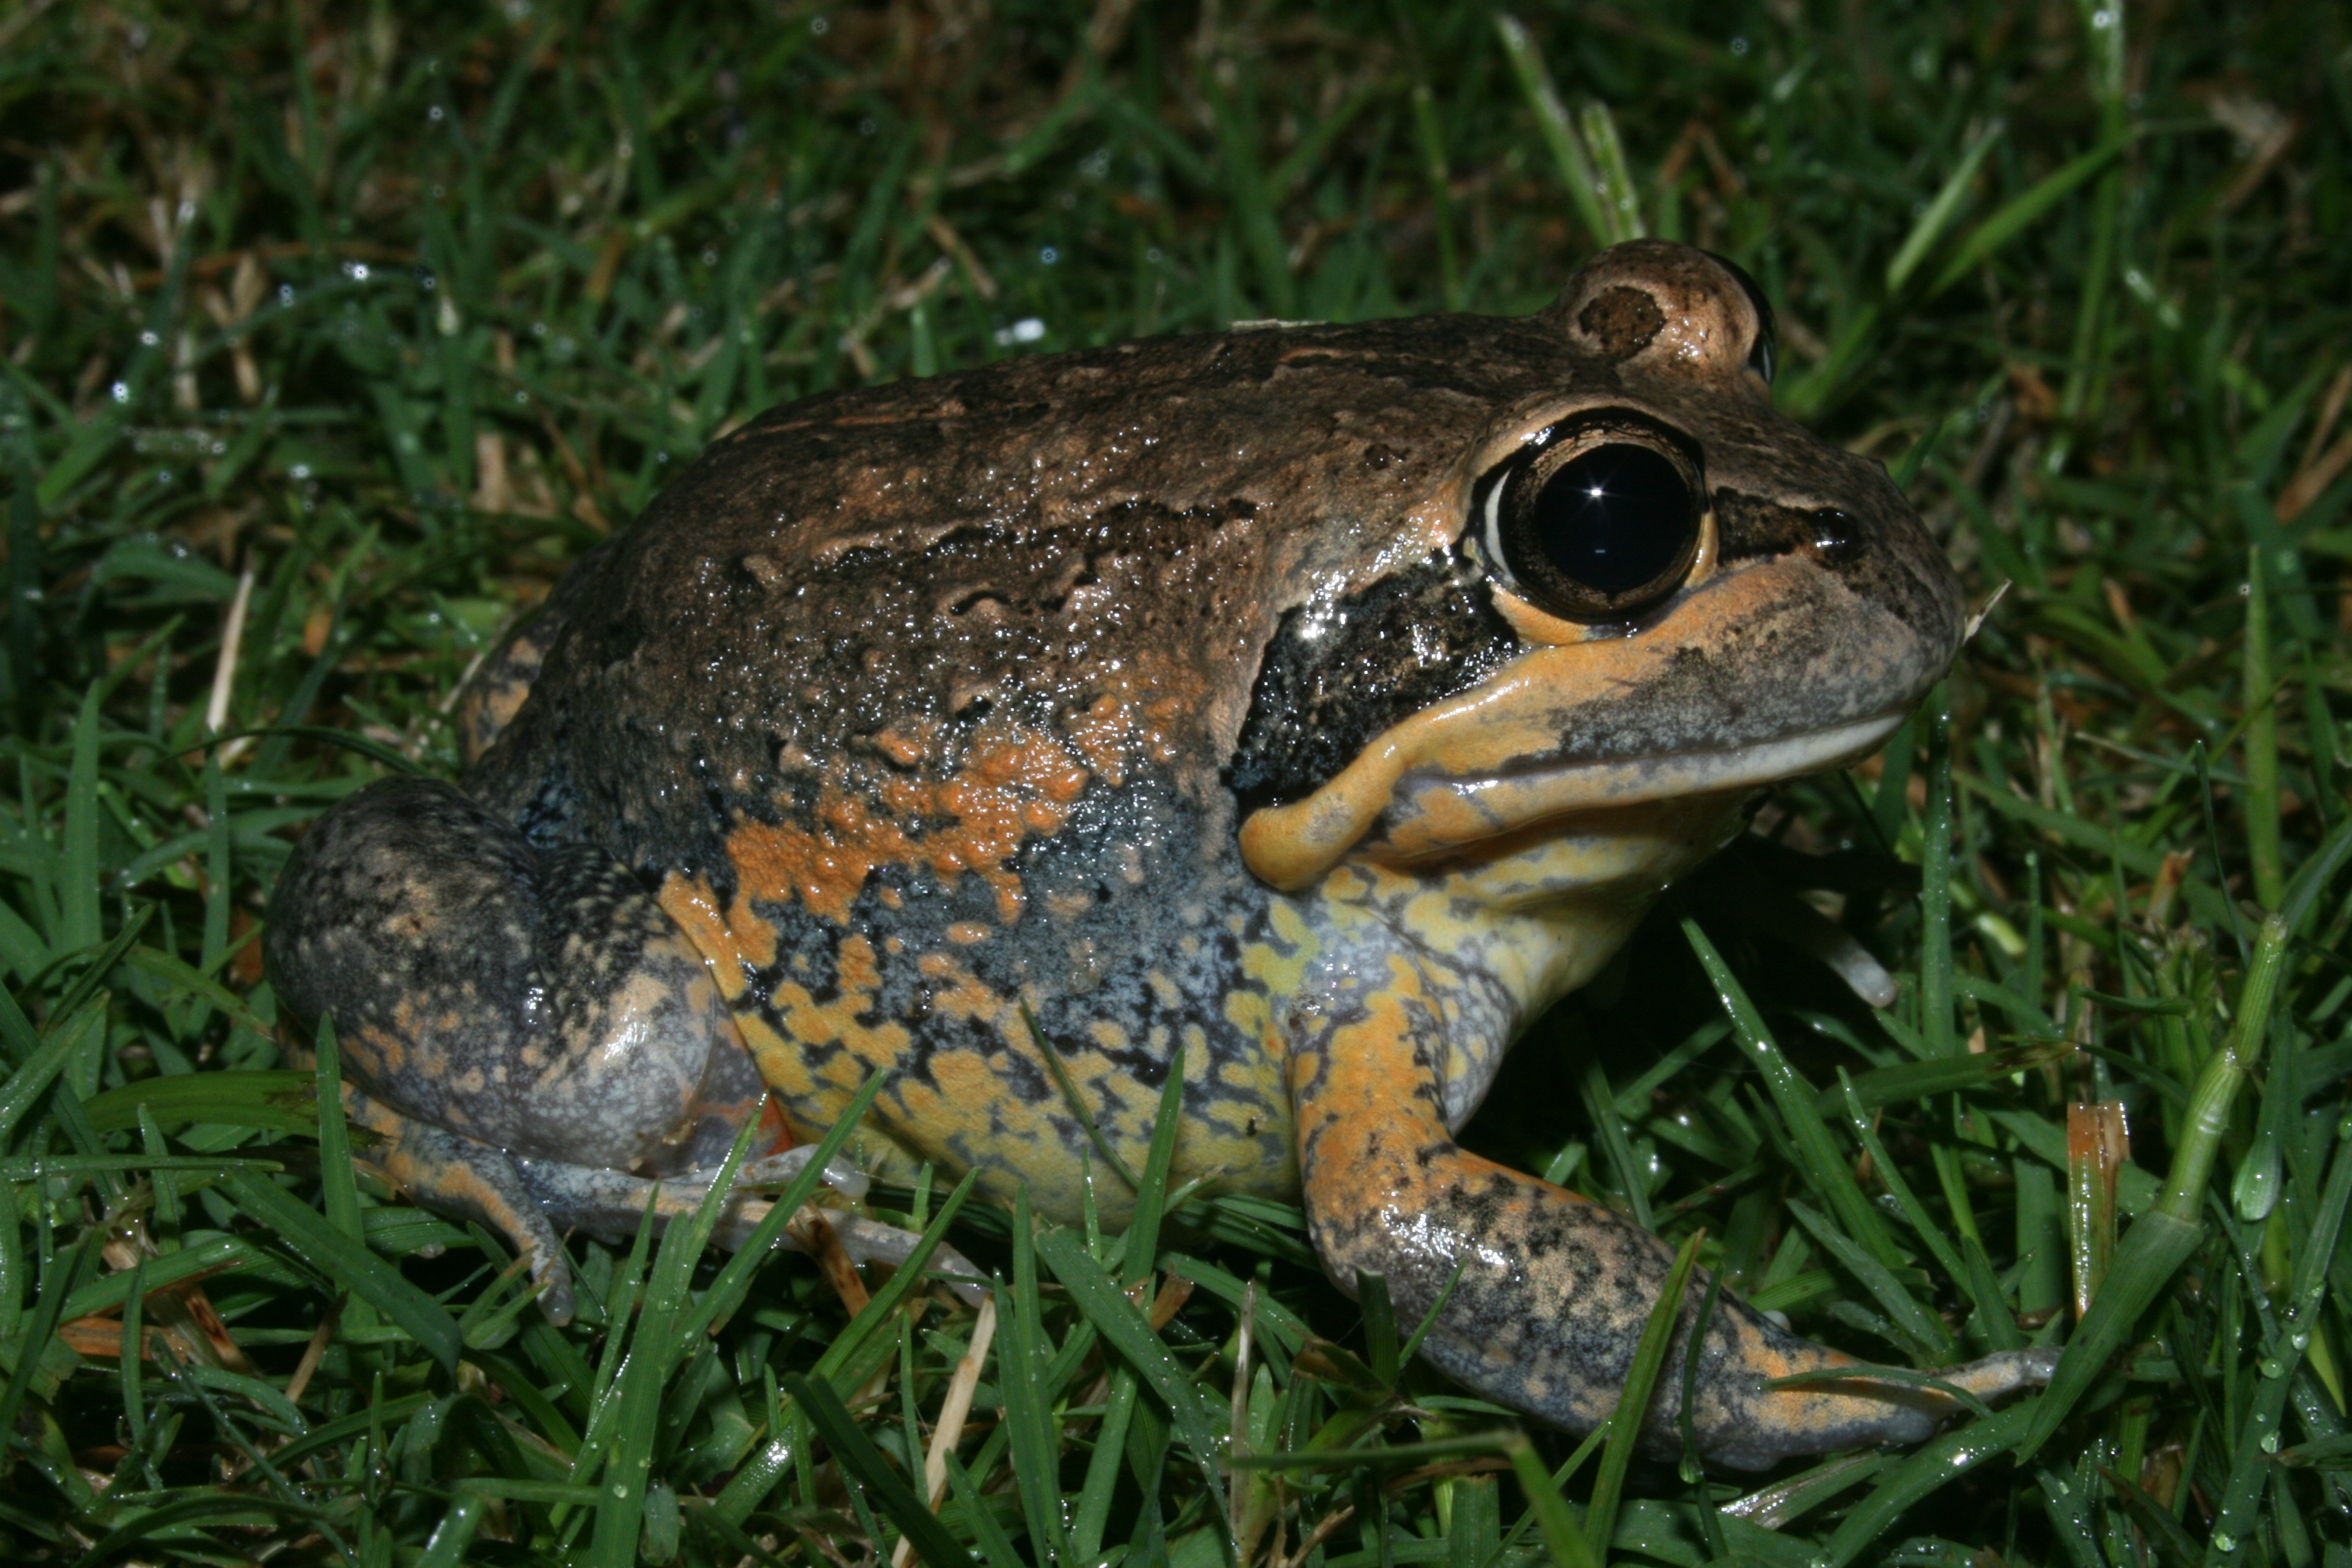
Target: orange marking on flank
1120	729
807	1022
1016	783
963	996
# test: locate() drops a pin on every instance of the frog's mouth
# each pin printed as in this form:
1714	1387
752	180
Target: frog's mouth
1758	677
1419	818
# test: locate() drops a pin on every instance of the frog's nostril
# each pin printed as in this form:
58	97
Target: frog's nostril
1837	535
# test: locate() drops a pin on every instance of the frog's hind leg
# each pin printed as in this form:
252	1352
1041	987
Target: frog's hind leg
1554	1291
494	1002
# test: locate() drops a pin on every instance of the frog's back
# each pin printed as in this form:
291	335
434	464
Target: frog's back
919	704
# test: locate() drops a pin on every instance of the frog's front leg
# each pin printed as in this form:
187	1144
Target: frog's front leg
1555	1290
515	1024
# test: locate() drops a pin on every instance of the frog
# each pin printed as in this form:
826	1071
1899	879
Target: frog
1297	711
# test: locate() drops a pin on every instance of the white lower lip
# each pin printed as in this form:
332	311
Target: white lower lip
1514	800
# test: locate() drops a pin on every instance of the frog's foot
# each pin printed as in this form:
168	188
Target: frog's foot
457	1176
610	1205
1555	1291
533	1202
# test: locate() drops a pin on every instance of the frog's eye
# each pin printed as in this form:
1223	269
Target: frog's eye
1599	519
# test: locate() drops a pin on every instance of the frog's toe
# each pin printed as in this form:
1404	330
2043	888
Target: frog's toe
1746	1422
2003	1374
871	1241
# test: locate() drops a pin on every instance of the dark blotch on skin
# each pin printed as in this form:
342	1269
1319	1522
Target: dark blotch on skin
1752	526
1334	678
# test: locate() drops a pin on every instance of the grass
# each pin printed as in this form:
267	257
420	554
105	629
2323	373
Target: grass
327	335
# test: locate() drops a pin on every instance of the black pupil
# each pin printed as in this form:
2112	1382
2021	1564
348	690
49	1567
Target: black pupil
1614	519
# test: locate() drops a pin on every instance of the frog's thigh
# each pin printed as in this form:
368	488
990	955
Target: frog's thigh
536	1002
1555	1291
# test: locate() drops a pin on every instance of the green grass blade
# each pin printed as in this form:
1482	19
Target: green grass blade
996	1548
1797	1101
29	1083
2313	877
1935	883
2014	217
1564	1540
339	1193
65	1270
1927	230
2251	1470
1924	1471
1091	1509
2168	1236
734	1277
277	1100
1609	1131
1151	1187
1125	1329
347	1262
880	1308
1928	1338
863	1463
79	876
626	1481
1625	1422
1574	168
1021	1357
1380	1343
1906	1082
1077	1102
445	1547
